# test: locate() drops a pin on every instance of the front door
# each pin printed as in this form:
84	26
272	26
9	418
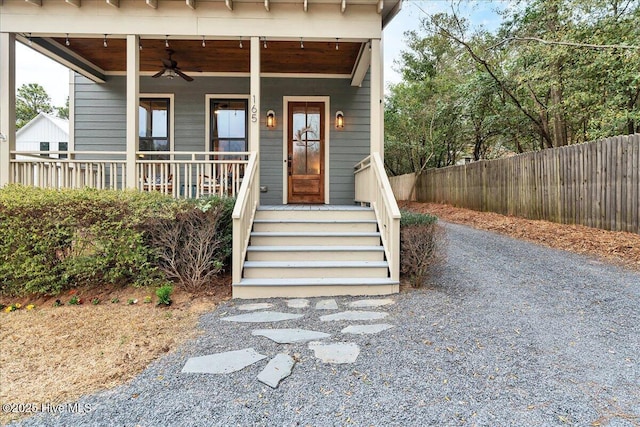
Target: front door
305	159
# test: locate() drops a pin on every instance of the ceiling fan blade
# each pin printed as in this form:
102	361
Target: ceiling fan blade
183	75
158	74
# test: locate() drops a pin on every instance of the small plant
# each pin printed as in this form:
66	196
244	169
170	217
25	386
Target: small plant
58	303
75	300
12	307
95	301
147	299
132	301
115	300
164	295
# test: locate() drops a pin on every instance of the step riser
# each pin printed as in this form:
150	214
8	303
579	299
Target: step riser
316	214
314	241
356	227
280	256
310	272
306	291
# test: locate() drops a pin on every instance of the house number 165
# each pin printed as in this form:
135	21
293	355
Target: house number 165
254	111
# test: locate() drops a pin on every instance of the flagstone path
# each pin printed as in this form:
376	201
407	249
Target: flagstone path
281	365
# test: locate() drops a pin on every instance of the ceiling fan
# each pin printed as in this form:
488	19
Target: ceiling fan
170	68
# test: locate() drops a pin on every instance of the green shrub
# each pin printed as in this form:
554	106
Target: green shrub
409	218
422	246
164	294
51	240
194	245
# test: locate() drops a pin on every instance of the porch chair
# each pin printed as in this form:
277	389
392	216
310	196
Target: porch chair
158	183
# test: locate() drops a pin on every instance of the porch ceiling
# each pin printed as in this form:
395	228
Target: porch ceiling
220	56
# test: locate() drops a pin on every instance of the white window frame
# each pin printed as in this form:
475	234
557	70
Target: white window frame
207	108
172	127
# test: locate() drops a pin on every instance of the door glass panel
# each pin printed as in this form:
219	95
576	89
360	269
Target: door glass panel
306	141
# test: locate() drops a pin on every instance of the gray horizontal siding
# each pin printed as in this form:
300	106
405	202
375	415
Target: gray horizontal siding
100	119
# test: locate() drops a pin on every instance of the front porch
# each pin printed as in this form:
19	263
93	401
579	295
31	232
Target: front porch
272	103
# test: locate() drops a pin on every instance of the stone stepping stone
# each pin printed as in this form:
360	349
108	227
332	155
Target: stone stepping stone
366	329
290	336
298	303
327	304
277	369
338	353
255	306
222	363
365	303
262	316
354	315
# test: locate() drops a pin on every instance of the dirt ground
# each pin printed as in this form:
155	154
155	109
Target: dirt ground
54	354
620	248
57	354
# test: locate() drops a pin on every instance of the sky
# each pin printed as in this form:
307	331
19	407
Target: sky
32	67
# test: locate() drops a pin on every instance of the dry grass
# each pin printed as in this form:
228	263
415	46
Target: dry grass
57	354
620	248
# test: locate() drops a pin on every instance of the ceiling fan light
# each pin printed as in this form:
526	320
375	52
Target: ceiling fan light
66	41
104	42
203	42
166	42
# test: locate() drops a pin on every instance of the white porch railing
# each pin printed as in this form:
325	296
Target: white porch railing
177	173
243	214
104	169
191	174
372	186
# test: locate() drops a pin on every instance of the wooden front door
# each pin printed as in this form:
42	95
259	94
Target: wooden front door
305	160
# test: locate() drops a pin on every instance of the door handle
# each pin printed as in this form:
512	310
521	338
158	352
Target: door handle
289	160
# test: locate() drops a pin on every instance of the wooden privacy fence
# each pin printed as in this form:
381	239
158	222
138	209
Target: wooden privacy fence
596	184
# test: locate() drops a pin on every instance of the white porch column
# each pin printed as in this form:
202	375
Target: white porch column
133	103
377	102
254	102
7	103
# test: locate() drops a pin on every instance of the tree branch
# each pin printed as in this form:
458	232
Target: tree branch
560	43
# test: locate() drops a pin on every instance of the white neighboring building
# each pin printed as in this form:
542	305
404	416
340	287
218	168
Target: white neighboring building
44	132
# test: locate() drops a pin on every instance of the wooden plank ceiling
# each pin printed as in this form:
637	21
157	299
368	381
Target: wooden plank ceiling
221	56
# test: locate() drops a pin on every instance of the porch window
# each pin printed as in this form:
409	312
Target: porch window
229	125
154	126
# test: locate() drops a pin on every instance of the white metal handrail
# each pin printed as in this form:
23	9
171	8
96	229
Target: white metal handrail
243	214
373	187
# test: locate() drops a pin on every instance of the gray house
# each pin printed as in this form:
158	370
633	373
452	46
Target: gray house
275	102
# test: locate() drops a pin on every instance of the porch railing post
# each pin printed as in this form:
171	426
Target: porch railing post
7	104
133	94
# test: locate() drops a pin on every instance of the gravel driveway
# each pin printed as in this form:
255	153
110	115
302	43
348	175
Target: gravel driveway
509	334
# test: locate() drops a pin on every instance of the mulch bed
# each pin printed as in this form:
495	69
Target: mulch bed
618	247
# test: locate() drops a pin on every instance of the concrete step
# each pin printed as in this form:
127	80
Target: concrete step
313	287
315	269
259	238
334	225
316	253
